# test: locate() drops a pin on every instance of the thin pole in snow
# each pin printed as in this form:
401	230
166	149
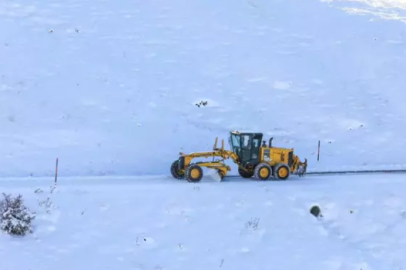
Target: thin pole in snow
318	152
56	170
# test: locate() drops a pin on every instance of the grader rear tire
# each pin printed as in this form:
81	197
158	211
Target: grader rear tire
176	173
263	171
194	173
282	172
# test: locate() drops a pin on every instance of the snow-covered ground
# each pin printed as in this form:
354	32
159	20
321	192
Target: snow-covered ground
384	9
110	87
160	223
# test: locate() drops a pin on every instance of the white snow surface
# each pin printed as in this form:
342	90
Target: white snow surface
161	223
110	87
384	9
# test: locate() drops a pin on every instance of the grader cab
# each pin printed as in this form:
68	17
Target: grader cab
254	159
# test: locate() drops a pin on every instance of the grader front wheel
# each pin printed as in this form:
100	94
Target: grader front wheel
194	173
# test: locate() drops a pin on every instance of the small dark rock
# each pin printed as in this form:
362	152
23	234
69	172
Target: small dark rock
315	211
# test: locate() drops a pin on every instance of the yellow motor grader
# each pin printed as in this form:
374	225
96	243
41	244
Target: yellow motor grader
264	162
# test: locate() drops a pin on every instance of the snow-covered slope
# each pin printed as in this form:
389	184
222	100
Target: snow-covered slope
111	87
164	224
385	9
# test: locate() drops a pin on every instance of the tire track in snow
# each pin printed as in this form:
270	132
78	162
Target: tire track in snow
369	261
332	231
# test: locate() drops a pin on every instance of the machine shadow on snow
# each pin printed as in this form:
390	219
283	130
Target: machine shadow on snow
261	162
239	179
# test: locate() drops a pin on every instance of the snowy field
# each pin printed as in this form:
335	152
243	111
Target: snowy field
383	9
110	87
113	89
162	223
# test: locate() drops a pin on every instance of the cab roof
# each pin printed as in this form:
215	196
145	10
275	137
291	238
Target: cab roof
239	132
